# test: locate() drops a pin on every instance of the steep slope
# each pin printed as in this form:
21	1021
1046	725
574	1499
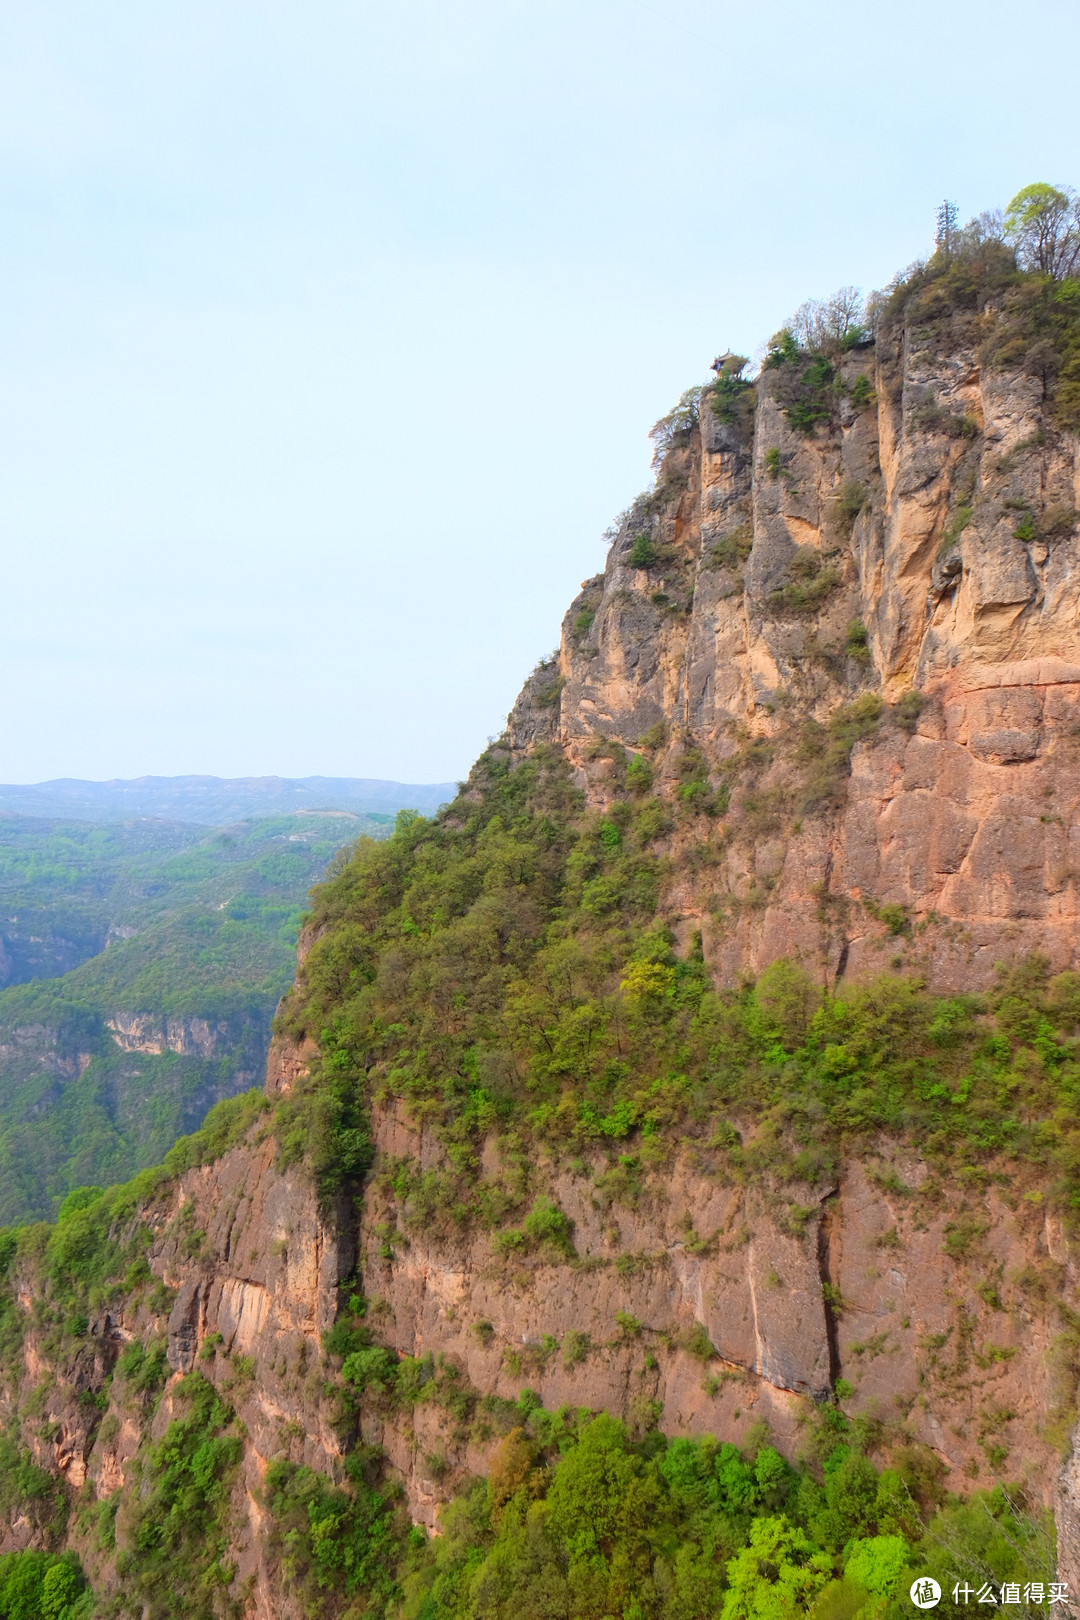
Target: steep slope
712	1059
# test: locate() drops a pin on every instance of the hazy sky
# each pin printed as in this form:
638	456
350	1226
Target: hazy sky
330	334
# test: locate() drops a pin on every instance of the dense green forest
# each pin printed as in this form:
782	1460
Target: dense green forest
181	938
582	1516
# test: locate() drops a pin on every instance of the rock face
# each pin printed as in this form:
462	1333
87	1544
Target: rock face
925	544
255	1268
1067	1518
864	640
956	1341
190	1037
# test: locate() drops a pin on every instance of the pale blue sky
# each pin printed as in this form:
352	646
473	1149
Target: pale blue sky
330	334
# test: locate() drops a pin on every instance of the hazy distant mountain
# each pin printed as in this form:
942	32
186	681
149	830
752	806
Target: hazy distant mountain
215	801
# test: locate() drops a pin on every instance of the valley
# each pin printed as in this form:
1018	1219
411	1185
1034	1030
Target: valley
141	963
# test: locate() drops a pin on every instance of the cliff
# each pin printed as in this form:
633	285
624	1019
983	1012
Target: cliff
924	547
711	1060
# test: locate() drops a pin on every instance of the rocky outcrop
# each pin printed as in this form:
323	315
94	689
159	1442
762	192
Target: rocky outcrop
190	1037
923	543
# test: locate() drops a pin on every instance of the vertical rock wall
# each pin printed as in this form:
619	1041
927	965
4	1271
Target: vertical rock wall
922	541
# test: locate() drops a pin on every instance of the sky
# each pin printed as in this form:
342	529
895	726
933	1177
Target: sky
331	333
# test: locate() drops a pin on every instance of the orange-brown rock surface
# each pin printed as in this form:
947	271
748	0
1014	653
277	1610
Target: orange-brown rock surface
965	817
953	1336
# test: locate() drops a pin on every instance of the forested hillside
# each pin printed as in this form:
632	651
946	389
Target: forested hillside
143	961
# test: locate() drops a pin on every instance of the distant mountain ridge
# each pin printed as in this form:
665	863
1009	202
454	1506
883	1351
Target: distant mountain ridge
215	801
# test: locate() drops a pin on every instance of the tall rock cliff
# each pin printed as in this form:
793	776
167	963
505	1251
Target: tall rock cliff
919	543
534	1132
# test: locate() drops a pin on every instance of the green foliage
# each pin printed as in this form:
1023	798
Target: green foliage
143	1367
331	1540
83	1257
325	1119
548	693
786	1000
1038	332
78	1198
546	1227
977	272
12	1321
43	1586
1043	222
811	579
857	641
782	348
178	1558
575	1348
825	751
876	1563
575	1518
808	394
862	392
850	502
607	1527
643	552
30	1491
732	549
731	394
639	774
895	919
674	430
96	1252
776	1575
370	1368
1029	318
954	529
992	1536
907	709
228	1123
547	1224
511	980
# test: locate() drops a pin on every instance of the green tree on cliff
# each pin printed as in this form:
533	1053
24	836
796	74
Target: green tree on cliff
1043	224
